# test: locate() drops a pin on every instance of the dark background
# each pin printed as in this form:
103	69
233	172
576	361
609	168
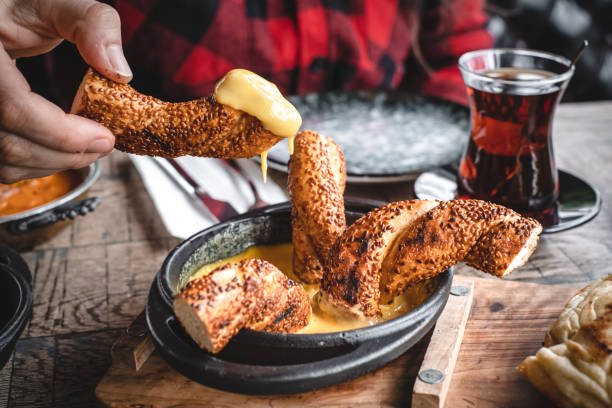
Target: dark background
560	26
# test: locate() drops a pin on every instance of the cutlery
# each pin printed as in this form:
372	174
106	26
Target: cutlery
218	210
239	171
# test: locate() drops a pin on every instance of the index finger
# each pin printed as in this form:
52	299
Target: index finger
31	116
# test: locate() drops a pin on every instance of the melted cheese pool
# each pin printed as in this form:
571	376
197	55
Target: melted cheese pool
281	255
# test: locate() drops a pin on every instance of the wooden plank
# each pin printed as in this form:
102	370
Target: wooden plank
32	379
443	347
48	286
5	382
504	327
135	345
70	293
109	223
81	360
131	269
508	322
92	287
62	237
390	386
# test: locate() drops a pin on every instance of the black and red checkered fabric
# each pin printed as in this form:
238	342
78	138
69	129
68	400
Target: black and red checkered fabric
178	49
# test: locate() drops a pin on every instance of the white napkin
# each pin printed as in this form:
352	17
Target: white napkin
182	216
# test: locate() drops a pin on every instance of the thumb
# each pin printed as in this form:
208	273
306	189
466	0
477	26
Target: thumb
95	28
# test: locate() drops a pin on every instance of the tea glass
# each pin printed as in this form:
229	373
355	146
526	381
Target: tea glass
509	158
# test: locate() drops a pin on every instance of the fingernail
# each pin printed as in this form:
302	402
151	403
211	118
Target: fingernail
100	146
118	61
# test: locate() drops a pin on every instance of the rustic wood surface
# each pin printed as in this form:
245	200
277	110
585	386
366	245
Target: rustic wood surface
128	383
443	346
507	322
91	279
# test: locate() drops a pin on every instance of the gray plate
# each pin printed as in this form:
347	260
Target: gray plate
385	136
579	201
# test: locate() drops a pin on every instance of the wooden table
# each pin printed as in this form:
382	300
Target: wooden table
91	280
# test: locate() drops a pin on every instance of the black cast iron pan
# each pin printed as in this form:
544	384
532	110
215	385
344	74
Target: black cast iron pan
276	363
16	299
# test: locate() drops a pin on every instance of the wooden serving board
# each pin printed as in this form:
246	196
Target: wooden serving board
507	322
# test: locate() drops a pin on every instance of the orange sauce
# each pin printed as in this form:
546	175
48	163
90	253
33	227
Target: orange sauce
27	194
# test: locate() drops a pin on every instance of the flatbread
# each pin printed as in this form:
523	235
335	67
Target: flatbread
574	368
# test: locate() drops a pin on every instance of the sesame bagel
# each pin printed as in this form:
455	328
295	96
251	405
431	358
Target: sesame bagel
148	126
406	242
317	177
252	293
352	282
488	237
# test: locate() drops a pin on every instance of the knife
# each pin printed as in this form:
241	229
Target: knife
218	210
239	171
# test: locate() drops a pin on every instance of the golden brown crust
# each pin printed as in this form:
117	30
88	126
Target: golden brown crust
574	368
271	294
251	293
497	251
317	177
403	243
352	280
296	314
148	126
223	303
306	263
487	236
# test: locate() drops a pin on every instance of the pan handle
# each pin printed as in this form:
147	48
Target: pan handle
68	210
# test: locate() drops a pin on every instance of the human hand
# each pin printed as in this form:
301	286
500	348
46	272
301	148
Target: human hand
37	138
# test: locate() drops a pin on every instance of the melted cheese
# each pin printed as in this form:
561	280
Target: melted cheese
281	256
264	165
291	139
250	93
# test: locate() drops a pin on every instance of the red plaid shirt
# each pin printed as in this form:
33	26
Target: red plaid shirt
178	49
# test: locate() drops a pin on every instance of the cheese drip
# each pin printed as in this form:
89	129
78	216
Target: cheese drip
281	256
264	165
250	93
246	91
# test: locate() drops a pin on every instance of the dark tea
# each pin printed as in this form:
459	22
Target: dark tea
509	158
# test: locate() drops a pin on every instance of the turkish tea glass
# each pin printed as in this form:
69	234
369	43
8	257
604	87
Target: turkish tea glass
509	158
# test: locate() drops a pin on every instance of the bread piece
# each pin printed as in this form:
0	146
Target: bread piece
317	177
574	368
251	293
282	304
403	243
351	285
213	308
296	313
306	262
487	236
148	126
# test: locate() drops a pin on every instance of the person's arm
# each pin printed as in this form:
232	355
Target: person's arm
37	138
448	29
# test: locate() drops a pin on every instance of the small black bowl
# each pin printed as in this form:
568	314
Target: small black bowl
276	363
15	300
